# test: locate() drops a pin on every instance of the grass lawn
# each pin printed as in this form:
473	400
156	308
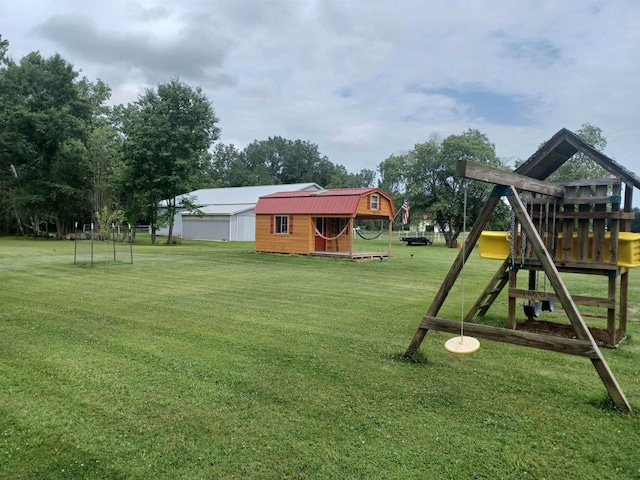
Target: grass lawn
207	360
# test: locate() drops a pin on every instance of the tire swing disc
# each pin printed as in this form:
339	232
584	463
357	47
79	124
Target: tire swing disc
462	345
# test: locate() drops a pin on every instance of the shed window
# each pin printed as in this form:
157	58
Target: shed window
375	202
282	224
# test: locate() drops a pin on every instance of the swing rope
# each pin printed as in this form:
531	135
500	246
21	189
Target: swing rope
532	309
548	303
462	344
464	261
370	238
544	233
329	238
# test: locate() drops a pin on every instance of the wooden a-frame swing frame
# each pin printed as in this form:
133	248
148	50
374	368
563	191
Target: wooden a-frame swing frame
583	345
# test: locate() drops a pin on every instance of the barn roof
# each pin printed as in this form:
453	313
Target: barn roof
241	195
342	201
560	148
232	209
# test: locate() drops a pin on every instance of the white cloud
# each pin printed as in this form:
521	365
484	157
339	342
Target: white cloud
345	75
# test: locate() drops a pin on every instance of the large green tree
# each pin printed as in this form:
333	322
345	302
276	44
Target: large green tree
104	147
46	114
580	166
4	47
168	133
393	174
227	168
341	178
435	190
278	160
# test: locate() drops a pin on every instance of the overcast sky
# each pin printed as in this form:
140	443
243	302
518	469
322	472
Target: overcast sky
363	79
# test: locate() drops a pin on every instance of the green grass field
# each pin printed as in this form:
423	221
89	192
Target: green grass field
207	360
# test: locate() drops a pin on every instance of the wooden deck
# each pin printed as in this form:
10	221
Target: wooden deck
353	255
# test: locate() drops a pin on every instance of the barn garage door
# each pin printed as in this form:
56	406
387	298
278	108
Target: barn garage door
205	228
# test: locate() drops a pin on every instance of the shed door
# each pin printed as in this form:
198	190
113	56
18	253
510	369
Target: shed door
321	244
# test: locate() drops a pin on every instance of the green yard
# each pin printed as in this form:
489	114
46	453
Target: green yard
207	360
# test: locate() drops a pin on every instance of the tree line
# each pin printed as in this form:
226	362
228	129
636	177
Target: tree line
426	176
66	157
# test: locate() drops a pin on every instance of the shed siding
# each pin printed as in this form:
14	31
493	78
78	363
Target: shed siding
300	241
364	207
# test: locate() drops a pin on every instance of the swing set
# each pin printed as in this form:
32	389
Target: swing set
582	237
538	301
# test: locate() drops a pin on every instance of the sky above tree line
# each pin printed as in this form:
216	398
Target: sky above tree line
363	79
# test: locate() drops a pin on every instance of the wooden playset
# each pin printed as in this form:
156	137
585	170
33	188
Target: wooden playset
577	227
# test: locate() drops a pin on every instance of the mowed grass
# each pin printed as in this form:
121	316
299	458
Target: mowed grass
207	360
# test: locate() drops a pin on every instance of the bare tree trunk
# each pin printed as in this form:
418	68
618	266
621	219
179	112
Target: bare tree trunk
170	235
35	227
20	229
448	239
171	211
59	228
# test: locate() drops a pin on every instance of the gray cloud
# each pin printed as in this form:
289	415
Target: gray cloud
338	73
195	53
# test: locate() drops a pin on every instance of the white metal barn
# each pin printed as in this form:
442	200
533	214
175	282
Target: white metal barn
225	214
220	222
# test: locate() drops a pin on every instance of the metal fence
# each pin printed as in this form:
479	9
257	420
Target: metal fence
91	247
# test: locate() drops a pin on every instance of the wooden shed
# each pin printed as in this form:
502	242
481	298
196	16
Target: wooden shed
319	223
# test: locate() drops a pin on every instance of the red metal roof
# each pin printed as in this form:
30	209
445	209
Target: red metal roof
342	201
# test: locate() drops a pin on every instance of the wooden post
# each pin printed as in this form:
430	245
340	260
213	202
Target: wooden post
351	237
624	303
533	281
582	255
599	227
568	226
611	312
614	227
624	272
513	276
390	232
581	329
614	234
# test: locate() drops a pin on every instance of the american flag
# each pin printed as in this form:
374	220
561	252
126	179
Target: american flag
405	212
